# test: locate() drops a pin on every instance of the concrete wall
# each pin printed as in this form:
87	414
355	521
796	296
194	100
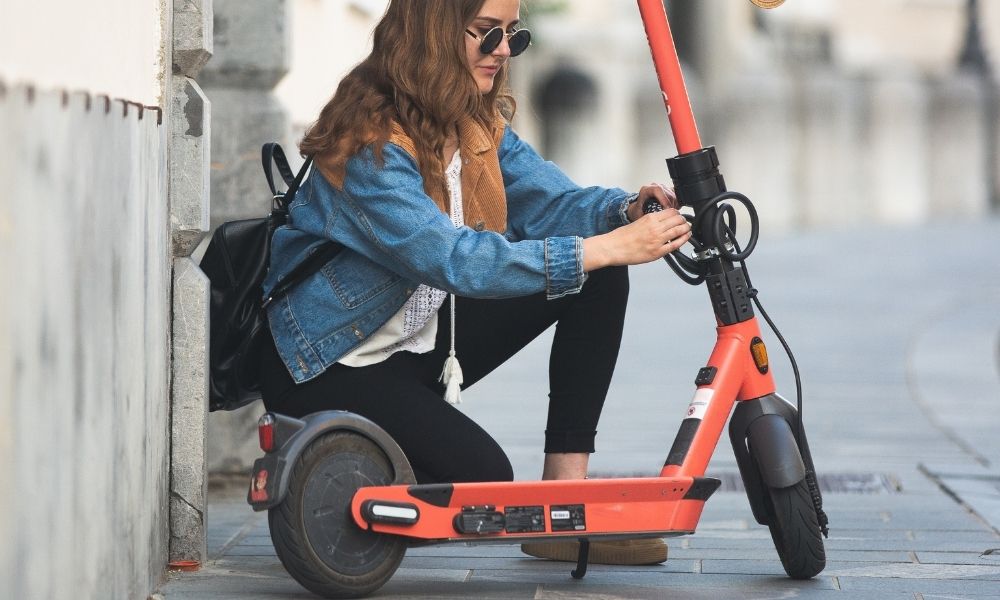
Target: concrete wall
84	346
251	55
189	114
103	327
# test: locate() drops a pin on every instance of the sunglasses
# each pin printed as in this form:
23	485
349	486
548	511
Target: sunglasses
518	41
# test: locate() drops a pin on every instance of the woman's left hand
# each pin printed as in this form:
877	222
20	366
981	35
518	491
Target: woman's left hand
663	194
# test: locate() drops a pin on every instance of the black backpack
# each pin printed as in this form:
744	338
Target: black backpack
236	262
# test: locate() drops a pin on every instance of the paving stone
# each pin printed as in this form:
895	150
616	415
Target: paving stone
672	580
632	592
528	564
244	550
906	545
962	596
957	558
487	590
919	571
833	567
961	587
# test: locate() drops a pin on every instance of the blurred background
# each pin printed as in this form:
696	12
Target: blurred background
826	114
823	112
131	128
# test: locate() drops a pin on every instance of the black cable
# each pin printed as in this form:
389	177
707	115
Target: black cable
677	265
774	328
788	352
692	272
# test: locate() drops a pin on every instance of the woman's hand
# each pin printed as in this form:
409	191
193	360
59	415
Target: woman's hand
648	238
661	193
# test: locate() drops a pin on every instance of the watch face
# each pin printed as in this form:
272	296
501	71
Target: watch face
768	3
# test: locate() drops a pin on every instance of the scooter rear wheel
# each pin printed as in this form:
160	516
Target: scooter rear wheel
313	531
795	530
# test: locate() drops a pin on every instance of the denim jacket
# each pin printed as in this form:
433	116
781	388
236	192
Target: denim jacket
396	238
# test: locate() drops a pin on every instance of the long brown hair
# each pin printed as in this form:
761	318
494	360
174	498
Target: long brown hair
417	76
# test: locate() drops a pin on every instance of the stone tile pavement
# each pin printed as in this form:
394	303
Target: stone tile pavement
896	332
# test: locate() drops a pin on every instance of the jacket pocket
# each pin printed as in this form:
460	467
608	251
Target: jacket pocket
356	280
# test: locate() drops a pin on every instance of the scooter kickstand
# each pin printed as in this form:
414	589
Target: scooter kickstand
581	559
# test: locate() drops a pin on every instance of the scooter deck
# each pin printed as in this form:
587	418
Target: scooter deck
636	507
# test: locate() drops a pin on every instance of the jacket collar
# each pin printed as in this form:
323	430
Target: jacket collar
473	137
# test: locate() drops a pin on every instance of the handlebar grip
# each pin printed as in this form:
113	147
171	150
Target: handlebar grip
651	205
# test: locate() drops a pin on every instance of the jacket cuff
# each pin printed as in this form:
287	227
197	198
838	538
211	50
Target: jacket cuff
618	211
563	266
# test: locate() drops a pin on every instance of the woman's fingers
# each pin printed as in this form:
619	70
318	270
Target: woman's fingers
672	222
677	234
663	194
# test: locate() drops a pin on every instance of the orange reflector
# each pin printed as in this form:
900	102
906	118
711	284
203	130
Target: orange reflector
759	352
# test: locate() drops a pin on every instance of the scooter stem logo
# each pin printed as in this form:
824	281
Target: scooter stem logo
768	3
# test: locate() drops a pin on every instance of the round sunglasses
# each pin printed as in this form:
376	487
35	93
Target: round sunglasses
518	41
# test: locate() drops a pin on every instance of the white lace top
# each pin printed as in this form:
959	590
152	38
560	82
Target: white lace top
414	327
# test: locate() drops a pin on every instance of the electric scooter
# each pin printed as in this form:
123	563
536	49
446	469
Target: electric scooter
343	503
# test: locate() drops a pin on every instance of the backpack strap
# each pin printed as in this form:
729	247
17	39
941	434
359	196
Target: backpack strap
272	155
294	185
322	253
313	263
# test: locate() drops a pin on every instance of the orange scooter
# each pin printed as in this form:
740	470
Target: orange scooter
344	504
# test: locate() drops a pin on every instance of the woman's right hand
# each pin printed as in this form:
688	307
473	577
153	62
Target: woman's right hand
653	236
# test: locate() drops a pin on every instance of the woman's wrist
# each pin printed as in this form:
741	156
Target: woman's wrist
633	212
595	255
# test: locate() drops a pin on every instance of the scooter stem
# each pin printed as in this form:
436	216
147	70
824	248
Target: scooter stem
668	72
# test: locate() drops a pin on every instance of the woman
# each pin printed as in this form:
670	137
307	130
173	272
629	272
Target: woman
420	176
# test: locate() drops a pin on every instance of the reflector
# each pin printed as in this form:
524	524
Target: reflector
265	431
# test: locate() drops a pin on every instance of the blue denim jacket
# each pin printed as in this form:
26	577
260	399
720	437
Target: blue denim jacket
396	238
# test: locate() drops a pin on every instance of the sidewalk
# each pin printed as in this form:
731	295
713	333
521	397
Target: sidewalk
896	333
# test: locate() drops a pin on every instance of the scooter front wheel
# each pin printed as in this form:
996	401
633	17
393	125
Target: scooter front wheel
795	530
313	531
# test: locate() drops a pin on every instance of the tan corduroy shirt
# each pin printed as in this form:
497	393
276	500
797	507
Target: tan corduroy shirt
484	200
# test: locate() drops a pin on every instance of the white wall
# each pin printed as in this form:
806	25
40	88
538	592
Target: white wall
83	348
84	320
107	47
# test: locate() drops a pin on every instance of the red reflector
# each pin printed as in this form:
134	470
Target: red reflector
265	431
258	486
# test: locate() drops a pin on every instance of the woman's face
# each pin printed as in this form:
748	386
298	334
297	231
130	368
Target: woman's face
494	13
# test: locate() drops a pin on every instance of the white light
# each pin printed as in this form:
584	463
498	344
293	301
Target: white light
395	512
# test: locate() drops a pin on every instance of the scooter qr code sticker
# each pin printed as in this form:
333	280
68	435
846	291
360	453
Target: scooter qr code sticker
699	404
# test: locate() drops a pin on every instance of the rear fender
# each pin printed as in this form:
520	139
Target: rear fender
272	472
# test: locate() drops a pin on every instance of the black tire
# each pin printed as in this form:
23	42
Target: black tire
313	531
795	530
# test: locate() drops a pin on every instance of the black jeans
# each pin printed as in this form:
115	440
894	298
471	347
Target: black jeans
403	395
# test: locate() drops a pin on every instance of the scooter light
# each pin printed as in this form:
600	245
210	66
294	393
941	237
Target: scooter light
265	431
397	513
759	352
